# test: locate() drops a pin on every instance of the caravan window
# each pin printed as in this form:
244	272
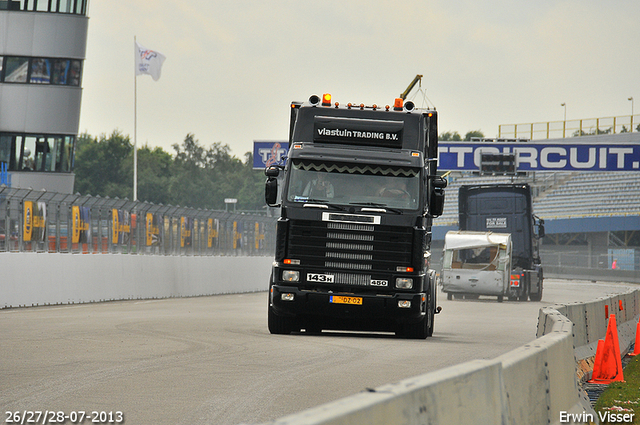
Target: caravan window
482	258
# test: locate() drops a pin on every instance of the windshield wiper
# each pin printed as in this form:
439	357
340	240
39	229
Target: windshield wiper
321	203
375	204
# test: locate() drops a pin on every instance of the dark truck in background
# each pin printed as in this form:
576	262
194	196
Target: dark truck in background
357	194
508	208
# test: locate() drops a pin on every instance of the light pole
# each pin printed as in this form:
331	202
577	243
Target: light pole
564	123
631	99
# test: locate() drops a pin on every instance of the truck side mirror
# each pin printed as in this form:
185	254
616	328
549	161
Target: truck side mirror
271	191
436	202
272	171
540	224
541	230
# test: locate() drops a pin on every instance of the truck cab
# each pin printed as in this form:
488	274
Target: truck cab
508	208
357	195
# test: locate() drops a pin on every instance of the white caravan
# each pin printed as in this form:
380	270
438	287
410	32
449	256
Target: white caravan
476	263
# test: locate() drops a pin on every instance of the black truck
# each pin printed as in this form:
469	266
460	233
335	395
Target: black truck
357	194
508	208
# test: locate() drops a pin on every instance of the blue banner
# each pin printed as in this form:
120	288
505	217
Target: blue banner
266	154
530	156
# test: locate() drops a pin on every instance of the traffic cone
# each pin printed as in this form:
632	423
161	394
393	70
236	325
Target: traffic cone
607	367
636	348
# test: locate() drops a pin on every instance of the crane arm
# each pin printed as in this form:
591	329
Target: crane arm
405	93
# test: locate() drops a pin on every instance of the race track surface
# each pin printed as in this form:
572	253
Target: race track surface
211	360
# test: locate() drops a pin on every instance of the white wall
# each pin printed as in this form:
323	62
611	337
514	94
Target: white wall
29	279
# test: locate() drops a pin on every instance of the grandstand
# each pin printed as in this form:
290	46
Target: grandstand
560	195
590	218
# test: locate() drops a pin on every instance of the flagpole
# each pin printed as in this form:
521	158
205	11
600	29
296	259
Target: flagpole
135	123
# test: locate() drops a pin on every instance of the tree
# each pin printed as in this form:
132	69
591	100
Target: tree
189	185
194	176
470	134
155	168
100	165
450	137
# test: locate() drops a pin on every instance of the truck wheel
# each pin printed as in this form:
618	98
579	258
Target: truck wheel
280	325
538	296
500	298
449	296
431	310
416	330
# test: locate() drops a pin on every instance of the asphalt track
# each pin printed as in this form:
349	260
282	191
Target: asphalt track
211	360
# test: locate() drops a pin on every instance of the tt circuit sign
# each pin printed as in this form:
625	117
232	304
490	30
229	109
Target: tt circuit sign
597	153
267	153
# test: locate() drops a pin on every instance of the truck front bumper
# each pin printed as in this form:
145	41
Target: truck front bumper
373	312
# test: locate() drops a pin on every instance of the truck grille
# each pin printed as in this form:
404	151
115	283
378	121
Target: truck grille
344	249
352	279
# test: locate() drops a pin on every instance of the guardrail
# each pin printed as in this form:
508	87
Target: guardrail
533	384
570	128
40	221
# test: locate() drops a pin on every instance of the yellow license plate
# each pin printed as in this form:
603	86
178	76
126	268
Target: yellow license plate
339	299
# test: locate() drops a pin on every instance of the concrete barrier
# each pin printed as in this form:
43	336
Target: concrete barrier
30	279
533	384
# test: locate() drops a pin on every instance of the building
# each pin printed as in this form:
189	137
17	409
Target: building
42	52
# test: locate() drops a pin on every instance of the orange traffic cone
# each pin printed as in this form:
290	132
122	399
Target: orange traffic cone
607	367
636	348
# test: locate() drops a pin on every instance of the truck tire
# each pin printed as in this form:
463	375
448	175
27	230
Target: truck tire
538	296
417	330
280	325
431	308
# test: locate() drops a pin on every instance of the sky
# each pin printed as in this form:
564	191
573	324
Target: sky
232	68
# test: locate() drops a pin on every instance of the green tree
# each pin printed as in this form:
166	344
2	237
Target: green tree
155	168
189	185
450	137
475	133
194	176
100	165
251	194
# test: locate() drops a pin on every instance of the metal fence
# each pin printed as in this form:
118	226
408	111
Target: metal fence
41	221
610	259
570	128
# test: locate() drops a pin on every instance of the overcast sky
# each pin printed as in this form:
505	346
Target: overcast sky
233	67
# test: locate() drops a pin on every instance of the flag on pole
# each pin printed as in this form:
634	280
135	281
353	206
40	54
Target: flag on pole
148	62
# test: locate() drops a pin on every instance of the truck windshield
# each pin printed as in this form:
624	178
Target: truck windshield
354	184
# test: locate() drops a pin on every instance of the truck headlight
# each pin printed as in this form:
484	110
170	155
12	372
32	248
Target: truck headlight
291	275
404	283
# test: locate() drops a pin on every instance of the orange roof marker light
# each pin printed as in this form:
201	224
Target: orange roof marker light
397	105
326	99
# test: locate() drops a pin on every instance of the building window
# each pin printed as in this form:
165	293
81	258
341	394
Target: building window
44	153
16	70
76	7
40	71
11	5
64	72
